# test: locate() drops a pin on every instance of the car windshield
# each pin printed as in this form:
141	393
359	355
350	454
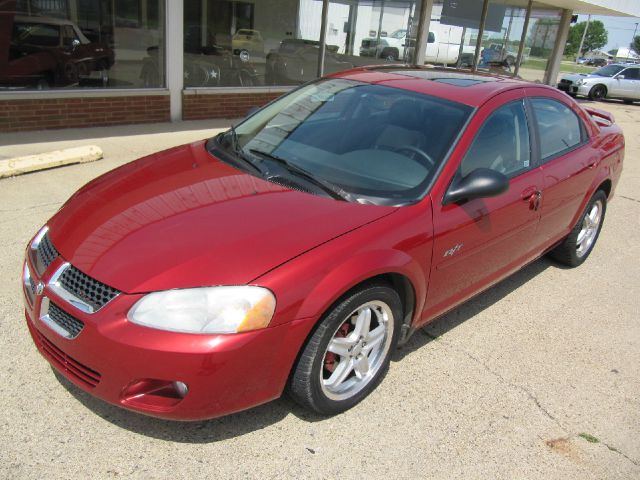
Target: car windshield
398	34
608	71
382	145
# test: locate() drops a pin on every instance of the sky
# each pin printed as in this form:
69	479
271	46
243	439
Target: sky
620	29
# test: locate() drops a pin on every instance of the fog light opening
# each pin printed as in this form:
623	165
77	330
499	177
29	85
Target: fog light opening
151	394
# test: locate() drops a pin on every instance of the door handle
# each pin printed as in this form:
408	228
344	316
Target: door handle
534	199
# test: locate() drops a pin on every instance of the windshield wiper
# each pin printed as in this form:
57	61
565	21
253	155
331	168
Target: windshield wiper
237	151
333	190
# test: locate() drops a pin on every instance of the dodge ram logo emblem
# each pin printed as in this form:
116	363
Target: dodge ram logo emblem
39	288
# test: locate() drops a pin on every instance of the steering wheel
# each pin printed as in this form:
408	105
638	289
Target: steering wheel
417	154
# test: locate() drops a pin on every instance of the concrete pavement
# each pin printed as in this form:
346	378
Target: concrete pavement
537	378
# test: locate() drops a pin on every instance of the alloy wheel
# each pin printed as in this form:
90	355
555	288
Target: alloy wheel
357	350
589	230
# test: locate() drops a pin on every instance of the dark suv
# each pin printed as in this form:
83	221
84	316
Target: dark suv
49	52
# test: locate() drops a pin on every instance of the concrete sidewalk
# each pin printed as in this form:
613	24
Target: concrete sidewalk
132	141
537	378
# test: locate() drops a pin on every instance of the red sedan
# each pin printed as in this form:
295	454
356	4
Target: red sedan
297	250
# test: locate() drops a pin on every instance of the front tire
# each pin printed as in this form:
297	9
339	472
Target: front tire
575	249
598	92
348	354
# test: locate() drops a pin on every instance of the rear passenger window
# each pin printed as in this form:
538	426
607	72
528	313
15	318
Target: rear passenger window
559	127
502	144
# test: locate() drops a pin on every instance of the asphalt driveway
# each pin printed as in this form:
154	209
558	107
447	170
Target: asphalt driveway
537	378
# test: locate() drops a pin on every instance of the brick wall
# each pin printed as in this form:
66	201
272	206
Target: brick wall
197	105
90	111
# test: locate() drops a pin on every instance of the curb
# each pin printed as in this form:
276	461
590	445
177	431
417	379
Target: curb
32	163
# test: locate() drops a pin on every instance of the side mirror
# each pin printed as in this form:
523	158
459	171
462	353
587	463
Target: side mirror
480	183
620	77
75	43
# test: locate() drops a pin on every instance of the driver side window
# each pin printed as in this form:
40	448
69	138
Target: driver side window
502	144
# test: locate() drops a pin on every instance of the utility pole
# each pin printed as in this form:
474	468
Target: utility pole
633	39
584	34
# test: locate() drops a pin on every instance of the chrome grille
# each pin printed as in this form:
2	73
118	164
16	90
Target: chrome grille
65	321
47	253
29	284
89	290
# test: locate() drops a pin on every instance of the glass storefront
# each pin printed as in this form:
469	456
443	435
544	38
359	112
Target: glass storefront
244	44
229	43
55	44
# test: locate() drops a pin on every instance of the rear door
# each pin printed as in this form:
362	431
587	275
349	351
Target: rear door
479	242
567	158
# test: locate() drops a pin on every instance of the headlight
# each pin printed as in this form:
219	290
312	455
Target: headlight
206	310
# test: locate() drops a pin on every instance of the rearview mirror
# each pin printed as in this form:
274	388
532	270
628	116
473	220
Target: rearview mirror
480	183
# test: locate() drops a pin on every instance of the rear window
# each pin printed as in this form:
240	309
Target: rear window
559	127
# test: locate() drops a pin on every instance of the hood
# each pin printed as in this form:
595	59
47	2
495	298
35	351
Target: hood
181	218
576	76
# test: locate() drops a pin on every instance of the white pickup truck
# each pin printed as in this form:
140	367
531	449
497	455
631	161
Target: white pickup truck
443	46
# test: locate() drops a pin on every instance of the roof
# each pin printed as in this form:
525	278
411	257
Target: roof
472	89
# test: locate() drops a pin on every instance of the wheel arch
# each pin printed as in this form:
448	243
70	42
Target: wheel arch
602	182
401	271
400	282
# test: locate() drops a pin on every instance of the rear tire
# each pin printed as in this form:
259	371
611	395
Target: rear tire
348	354
577	246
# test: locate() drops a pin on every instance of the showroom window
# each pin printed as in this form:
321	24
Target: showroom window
54	44
246	44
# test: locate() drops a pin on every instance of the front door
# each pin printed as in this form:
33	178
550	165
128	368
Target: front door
481	241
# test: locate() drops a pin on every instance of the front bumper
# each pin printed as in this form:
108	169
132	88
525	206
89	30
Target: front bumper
110	356
582	90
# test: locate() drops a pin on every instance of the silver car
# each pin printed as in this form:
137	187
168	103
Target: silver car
618	80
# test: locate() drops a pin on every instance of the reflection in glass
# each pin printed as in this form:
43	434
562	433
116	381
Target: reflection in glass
81	43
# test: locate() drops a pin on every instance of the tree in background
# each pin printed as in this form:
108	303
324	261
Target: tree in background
635	45
596	38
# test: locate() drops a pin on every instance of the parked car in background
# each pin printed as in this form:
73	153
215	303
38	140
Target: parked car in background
247	40
619	80
596	62
443	47
298	249
391	47
50	52
296	61
205	67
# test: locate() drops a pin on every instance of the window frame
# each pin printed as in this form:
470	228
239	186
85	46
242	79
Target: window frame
533	144
584	133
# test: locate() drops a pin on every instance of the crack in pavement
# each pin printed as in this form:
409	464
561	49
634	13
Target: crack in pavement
529	394
31	207
629	198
